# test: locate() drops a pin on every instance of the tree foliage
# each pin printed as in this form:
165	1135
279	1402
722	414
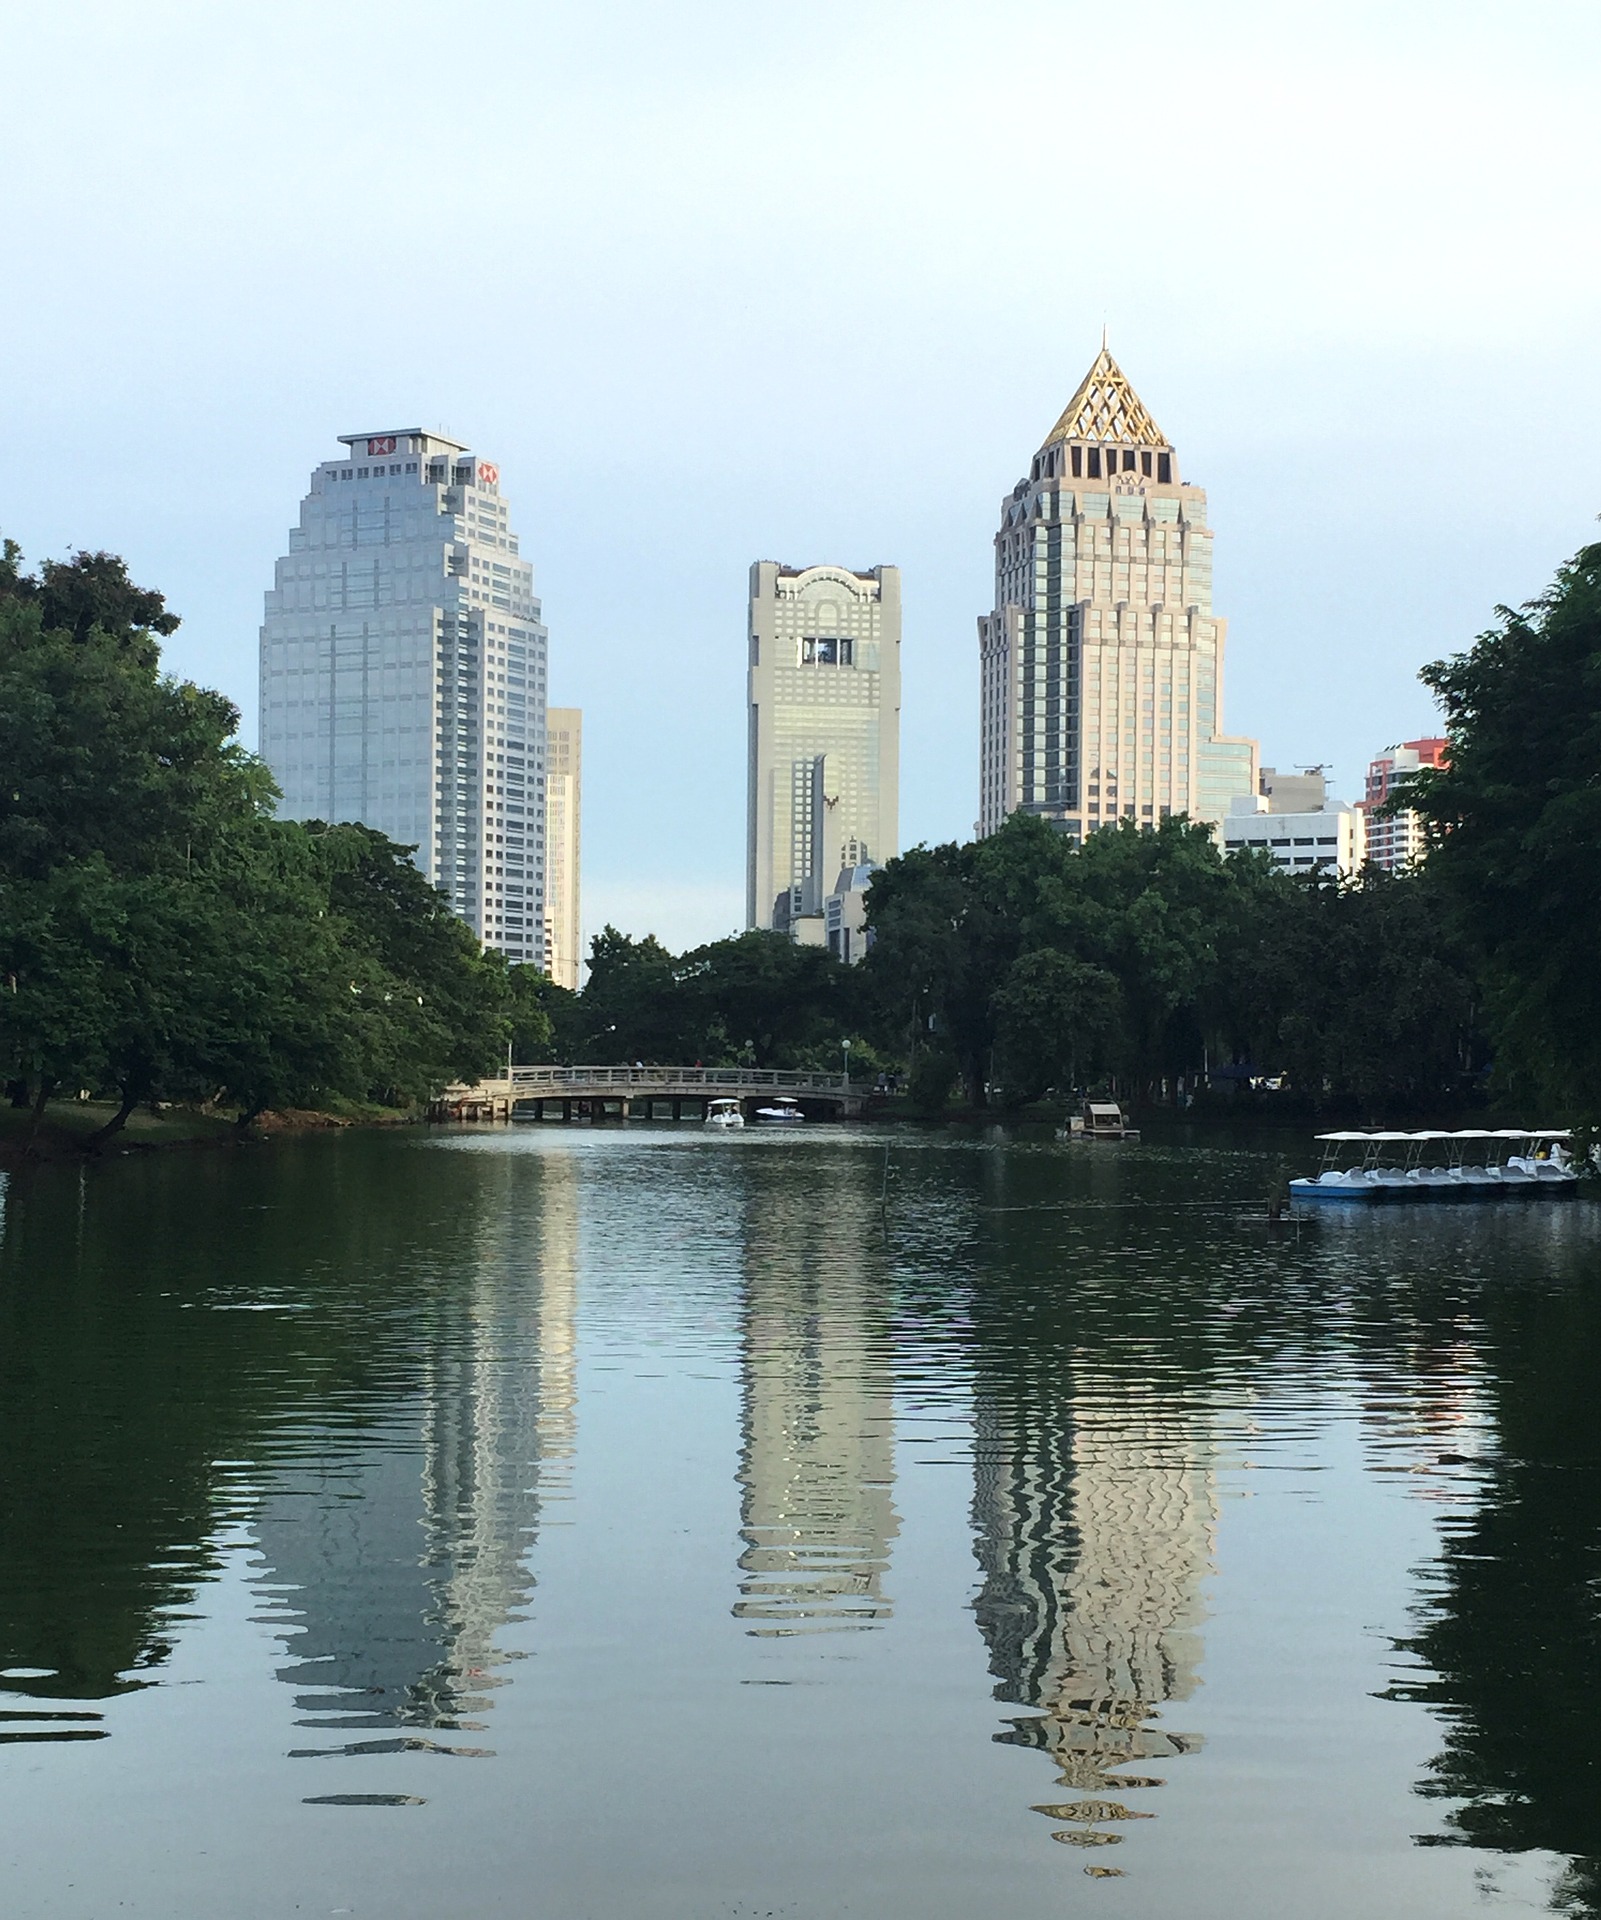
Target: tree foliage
756	999
162	935
1515	825
1146	957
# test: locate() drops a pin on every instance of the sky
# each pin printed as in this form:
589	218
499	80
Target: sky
714	283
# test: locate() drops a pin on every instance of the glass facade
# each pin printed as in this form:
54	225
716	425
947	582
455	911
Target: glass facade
403	666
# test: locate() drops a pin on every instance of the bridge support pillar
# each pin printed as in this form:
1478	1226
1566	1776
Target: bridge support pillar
678	1109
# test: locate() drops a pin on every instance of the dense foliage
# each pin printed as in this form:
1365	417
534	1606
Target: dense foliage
1148	959
162	935
1516	830
756	999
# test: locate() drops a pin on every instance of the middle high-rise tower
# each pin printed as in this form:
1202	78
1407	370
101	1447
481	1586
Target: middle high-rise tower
824	745
1102	662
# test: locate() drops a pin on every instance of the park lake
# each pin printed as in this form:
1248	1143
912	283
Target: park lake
643	1521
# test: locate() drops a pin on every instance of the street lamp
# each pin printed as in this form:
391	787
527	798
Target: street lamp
847	1046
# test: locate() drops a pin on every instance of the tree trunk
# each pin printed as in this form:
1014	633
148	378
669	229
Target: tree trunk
116	1123
36	1119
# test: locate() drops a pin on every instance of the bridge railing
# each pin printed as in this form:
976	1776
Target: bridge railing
531	1082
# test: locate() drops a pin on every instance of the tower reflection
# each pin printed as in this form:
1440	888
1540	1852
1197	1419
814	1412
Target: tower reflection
1095	1516
401	1558
817	1467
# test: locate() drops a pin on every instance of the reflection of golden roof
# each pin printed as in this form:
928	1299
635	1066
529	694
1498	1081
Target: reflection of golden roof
1106	407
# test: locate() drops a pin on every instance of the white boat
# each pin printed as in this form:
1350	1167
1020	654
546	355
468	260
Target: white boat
784	1112
1473	1163
724	1113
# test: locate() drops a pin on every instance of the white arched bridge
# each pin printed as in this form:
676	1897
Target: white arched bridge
645	1093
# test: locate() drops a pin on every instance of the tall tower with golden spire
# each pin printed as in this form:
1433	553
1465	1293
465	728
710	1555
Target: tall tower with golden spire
1102	662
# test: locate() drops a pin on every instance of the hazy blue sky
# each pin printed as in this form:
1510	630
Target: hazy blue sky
716	282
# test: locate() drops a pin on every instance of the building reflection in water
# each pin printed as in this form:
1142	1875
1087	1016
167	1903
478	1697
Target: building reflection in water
400	1559
817	1463
1095	1514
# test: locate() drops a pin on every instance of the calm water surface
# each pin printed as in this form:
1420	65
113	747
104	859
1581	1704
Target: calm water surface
646	1523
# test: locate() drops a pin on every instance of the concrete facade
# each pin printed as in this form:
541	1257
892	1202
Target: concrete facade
1396	840
1298	824
823	767
1102	661
403	674
564	758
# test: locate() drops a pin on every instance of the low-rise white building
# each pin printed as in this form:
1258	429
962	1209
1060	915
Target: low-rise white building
1331	835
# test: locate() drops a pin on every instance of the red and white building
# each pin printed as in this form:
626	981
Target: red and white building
1396	840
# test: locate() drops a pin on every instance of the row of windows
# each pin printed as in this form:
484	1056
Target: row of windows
374	473
1088	462
1322	840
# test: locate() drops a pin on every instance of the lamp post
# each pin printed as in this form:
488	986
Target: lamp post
847	1047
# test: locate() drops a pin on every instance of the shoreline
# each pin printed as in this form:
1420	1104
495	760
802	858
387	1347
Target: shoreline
62	1137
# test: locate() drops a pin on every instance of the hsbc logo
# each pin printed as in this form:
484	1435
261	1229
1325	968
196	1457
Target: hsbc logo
385	443
487	475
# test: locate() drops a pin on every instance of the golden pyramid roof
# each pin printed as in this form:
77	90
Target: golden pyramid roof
1106	407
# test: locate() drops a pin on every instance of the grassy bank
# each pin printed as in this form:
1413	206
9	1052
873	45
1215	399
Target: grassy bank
68	1126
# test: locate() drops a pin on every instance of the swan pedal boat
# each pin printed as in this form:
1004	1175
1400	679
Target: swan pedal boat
1474	1163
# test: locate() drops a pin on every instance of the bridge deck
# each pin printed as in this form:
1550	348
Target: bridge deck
623	1084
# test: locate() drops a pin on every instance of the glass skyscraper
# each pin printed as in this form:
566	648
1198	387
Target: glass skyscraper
403	674
1102	662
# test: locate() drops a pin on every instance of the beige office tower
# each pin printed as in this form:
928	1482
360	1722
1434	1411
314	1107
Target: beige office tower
564	756
824	752
1102	663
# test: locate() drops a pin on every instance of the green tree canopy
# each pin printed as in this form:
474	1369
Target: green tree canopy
1515	827
161	933
761	996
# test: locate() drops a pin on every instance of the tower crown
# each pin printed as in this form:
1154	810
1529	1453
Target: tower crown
1106	408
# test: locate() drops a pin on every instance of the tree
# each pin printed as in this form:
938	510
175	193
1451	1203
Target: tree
119	793
1515	830
541	1016
431	998
1056	1022
634	1007
161	934
763	997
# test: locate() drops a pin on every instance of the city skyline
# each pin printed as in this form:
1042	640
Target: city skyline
1338	350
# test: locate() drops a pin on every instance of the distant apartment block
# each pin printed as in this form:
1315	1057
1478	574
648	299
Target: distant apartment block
1102	660
1294	820
403	674
564	743
823	770
1396	841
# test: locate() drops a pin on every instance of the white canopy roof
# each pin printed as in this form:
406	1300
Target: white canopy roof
1462	1133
